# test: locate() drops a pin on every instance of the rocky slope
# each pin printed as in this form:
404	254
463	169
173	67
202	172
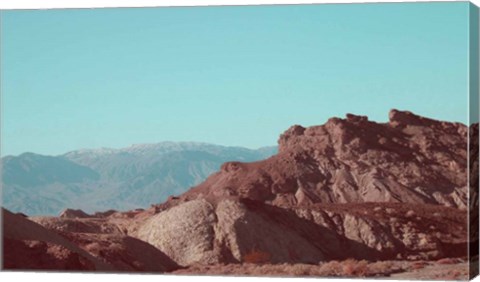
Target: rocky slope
121	179
348	189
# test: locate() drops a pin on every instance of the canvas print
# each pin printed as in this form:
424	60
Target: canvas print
323	140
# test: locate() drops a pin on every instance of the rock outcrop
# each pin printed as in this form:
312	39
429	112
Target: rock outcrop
194	220
410	159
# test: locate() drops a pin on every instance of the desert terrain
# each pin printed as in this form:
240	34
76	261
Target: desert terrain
349	198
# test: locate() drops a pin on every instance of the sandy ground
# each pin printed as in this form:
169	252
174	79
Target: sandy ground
457	271
445	269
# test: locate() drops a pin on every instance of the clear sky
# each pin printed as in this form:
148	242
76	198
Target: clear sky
235	76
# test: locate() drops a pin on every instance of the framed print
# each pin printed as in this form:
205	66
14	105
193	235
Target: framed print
309	140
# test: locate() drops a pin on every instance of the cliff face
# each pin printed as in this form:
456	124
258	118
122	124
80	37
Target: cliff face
410	159
350	188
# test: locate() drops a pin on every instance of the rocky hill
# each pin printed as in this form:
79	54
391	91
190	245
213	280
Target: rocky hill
348	189
410	159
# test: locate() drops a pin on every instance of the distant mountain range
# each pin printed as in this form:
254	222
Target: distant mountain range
121	179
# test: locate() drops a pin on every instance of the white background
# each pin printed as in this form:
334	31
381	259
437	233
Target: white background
69	277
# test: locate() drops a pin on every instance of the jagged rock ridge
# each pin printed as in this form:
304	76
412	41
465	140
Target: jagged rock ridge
409	159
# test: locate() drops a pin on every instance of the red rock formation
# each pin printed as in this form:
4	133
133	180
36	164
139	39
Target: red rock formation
410	159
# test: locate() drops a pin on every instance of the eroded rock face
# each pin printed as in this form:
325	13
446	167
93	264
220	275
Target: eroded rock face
241	232
395	230
410	159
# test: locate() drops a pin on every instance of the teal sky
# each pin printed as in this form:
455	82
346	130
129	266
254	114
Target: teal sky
235	76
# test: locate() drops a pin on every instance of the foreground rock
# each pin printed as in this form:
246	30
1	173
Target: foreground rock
60	245
223	234
236	231
28	245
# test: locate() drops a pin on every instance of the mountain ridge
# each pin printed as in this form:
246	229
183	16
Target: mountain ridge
137	176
